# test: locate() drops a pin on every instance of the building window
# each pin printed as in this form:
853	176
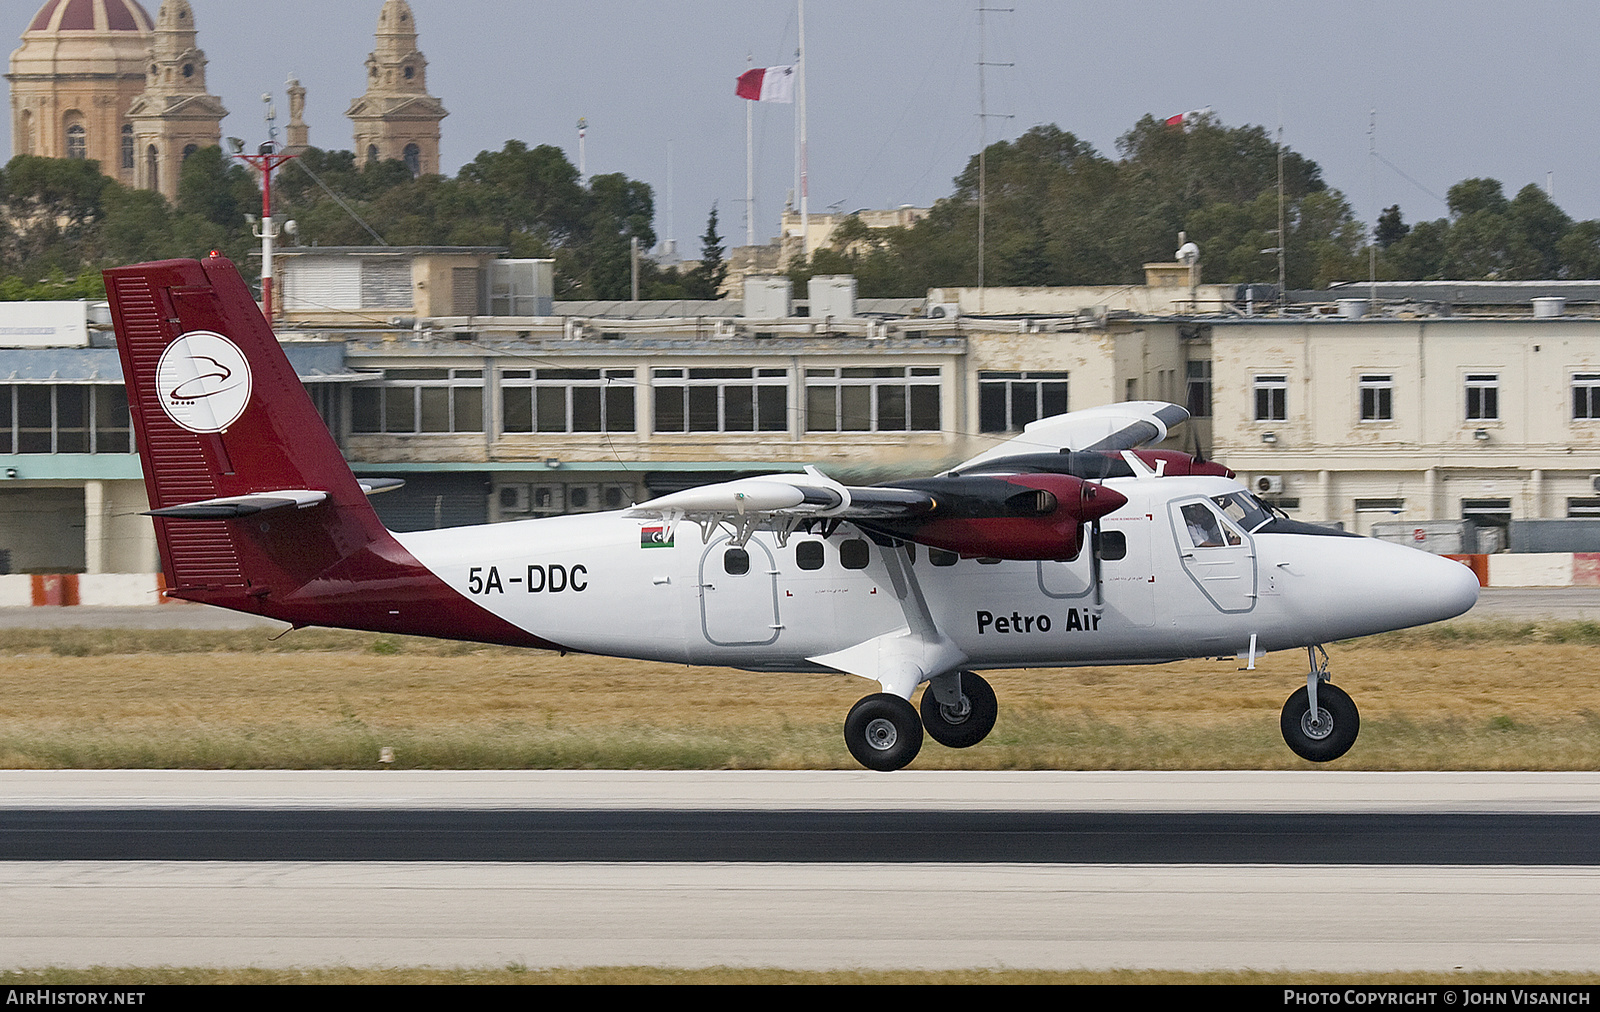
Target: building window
1377	398
1483	397
869	399
1197	396
1586	395
566	400
152	167
1487	512
1007	401
77	141
1272	398
1583	509
64	418
127	147
413	157
419	401
721	400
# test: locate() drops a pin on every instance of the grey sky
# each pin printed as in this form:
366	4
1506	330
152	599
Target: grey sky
1461	88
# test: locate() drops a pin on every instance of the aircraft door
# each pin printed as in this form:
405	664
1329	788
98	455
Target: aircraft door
1217	556
1127	582
738	594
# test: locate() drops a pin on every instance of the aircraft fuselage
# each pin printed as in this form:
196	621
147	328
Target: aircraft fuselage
608	584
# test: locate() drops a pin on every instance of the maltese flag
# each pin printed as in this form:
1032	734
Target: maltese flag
767	84
1185	118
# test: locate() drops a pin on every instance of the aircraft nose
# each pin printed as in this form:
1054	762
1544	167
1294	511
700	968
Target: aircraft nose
1421	588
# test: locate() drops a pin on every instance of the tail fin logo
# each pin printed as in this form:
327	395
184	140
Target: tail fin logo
204	381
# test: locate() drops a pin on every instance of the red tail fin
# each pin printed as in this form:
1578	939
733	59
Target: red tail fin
219	413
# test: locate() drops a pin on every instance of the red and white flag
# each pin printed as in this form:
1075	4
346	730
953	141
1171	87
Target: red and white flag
1187	117
767	84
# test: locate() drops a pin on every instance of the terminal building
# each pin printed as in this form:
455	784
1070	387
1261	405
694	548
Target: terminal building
454	369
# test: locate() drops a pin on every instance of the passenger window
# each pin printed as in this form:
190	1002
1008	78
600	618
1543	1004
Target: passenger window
854	554
940	557
1113	546
808	555
736	562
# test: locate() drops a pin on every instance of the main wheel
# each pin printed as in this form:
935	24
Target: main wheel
1329	734
968	722
883	732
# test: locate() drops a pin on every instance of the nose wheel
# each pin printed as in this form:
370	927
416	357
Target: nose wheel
1327	733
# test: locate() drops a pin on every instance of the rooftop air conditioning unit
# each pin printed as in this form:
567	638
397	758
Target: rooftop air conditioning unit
514	499
1269	484
944	311
547	499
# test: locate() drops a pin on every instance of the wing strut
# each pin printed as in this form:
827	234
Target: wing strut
903	659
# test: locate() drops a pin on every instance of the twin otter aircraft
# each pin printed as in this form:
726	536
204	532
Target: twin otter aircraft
1066	545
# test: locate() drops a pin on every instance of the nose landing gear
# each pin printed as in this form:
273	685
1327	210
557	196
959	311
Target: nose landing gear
1320	722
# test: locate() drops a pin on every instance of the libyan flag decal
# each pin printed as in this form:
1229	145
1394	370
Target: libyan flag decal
654	537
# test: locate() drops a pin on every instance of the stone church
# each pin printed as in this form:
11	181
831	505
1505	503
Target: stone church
100	79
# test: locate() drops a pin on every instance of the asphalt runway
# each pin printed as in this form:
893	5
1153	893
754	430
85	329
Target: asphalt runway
977	837
1187	871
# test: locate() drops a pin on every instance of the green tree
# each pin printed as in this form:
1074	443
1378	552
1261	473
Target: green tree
705	281
214	187
1391	227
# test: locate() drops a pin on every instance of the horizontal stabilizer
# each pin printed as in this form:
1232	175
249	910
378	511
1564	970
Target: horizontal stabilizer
372	486
239	505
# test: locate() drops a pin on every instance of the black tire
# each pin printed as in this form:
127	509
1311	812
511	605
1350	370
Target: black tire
965	725
1341	722
883	732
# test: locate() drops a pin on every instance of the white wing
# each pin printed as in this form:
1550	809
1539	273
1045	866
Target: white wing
1108	428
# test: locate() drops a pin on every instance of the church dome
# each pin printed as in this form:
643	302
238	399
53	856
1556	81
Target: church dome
91	16
95	37
79	60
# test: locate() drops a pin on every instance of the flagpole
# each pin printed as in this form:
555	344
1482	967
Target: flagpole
805	194
749	164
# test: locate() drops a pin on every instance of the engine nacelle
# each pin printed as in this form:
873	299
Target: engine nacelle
1018	516
1181	463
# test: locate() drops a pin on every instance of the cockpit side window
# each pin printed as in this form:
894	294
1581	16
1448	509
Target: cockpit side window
1206	529
1243	509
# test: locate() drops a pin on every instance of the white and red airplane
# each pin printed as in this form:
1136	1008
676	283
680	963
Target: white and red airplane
1065	545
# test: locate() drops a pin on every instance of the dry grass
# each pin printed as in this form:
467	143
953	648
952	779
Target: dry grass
1517	697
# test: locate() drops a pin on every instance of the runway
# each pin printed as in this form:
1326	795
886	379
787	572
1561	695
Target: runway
1177	871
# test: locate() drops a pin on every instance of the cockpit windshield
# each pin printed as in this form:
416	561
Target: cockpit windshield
1244	509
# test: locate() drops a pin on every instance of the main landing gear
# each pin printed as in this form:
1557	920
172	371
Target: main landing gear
884	732
1320	727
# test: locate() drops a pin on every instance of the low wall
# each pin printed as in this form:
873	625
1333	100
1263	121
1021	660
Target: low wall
102	590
